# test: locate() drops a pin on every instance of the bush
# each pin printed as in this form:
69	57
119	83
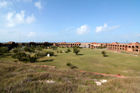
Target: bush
39	48
3	50
104	53
60	51
15	50
32	59
40	54
21	56
68	64
76	50
63	46
68	50
57	51
29	49
71	66
49	52
54	47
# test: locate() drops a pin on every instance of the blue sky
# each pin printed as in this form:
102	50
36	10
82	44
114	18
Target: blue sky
70	20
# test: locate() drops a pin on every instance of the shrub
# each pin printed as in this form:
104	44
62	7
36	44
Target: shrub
76	50
21	56
68	64
68	50
32	59
15	50
49	52
54	47
39	48
29	49
71	66
3	50
104	53
60	51
57	51
40	54
63	46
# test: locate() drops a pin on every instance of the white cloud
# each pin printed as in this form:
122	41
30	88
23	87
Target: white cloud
38	5
5	3
84	29
101	28
14	19
124	36
113	27
105	28
24	0
31	34
138	35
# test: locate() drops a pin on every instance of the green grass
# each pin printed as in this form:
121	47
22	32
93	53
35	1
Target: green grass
19	77
24	78
91	60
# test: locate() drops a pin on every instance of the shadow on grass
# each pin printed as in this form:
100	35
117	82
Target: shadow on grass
80	54
47	60
106	56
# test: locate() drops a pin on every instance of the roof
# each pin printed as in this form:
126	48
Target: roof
115	43
134	43
93	43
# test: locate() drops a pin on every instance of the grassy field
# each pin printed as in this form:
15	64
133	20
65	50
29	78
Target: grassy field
91	60
25	78
19	77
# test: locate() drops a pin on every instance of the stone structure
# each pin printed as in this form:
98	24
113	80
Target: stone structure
67	44
131	47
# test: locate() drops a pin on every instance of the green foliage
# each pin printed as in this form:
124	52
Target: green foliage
66	51
21	56
68	64
54	47
76	50
57	51
40	54
42	46
71	66
29	49
60	51
39	48
49	52
63	46
32	59
69	50
3	50
104	53
16	50
101	47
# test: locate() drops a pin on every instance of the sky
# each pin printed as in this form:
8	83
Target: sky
70	20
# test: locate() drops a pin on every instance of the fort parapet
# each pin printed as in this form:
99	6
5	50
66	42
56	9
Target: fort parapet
131	47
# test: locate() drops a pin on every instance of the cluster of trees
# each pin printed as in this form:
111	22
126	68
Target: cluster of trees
101	47
20	53
22	56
